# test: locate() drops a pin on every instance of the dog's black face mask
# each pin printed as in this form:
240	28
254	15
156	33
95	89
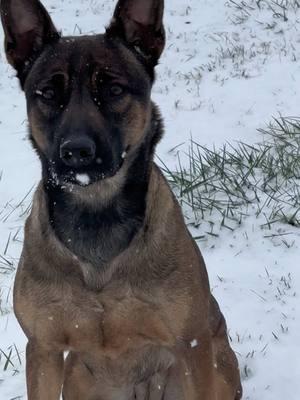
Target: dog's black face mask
88	98
88	107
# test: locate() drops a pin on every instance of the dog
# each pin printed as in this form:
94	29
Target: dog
109	272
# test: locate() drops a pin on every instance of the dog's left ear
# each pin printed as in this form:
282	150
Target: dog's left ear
28	28
140	24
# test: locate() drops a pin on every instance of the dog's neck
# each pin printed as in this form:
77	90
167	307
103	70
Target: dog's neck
99	234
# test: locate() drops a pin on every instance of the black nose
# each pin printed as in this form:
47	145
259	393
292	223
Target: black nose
77	153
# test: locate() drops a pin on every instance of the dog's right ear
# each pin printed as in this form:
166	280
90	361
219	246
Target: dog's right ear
27	28
140	24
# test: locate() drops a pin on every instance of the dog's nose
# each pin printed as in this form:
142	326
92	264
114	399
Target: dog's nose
77	153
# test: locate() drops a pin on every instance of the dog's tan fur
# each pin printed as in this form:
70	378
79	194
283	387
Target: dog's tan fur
118	329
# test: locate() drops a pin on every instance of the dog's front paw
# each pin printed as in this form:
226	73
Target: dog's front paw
153	389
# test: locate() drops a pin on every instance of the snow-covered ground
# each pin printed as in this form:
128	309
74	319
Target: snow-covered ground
229	66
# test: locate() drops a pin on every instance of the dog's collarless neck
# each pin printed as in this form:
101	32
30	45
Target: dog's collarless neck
97	236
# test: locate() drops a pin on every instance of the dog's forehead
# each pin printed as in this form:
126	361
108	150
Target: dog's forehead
86	52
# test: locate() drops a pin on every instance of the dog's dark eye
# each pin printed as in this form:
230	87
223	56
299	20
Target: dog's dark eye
46	93
116	90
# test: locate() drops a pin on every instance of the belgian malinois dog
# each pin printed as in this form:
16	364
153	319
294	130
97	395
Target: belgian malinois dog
109	271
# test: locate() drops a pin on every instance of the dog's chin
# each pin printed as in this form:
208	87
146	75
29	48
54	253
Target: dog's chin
92	189
84	180
81	179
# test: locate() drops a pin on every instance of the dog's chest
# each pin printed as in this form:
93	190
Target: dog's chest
111	324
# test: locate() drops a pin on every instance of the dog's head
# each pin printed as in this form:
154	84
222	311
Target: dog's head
88	97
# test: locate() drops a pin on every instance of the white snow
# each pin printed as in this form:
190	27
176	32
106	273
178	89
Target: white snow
224	74
194	343
83	179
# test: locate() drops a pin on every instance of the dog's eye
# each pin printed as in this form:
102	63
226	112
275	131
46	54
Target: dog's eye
116	90
46	93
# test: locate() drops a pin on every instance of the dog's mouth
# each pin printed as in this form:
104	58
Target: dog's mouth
83	177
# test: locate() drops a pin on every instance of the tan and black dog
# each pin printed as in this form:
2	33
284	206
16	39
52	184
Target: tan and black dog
109	271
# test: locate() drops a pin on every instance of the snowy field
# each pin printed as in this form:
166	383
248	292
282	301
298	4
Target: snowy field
228	69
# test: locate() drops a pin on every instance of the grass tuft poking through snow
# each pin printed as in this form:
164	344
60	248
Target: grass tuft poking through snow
11	358
224	186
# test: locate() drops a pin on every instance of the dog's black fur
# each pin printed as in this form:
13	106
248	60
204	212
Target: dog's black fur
97	235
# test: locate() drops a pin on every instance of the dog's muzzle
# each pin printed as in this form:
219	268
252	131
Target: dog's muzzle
80	162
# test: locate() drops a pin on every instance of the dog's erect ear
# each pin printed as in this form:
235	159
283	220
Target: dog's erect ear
140	23
28	28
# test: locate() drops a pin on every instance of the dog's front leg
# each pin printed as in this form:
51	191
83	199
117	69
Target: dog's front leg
44	371
192	375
